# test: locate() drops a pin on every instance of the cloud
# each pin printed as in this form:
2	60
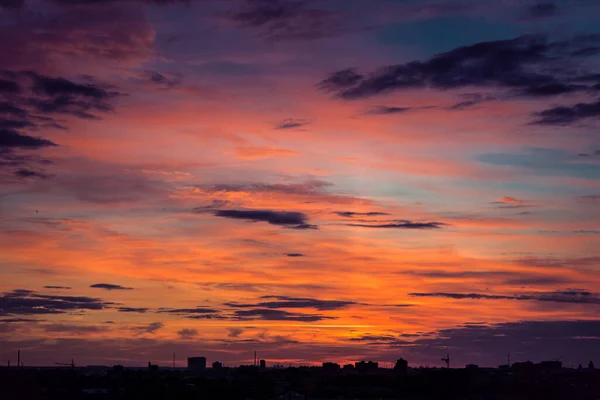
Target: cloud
251	153
16	320
74	329
150	328
588	199
376	338
387	110
509	200
287	19
109	286
27	302
234	332
567	115
11	138
295	220
92	2
565	296
471	100
309	187
141	310
57	287
295	255
162	80
292	123
183	311
403	224
541	10
11	4
506	277
278	315
351	214
33	104
61	96
513	64
26	173
187	333
73	38
295	302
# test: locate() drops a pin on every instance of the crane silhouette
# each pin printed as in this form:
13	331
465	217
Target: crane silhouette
71	364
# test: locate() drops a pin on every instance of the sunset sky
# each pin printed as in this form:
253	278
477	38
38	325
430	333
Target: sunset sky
314	180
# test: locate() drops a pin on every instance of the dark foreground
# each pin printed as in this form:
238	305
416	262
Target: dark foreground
297	384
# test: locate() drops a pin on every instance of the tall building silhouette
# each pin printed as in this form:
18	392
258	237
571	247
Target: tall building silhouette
197	364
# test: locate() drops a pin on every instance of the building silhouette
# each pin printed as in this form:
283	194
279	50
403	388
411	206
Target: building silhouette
263	364
197	363
401	366
330	367
369	366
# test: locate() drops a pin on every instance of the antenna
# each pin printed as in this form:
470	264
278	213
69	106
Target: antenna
18	358
173	360
447	360
508	360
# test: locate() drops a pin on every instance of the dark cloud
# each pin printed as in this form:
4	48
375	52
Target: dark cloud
287	19
109	286
156	78
351	214
346	78
519	65
295	302
16	320
263	286
75	329
92	2
565	296
57	287
206	316
471	100
10	138
309	187
291	123
33	102
197	310
386	110
566	115
541	10
234	332
7	86
403	224
11	4
556	262
61	96
150	328
588	199
374	338
295	220
507	277
26	173
132	309
295	255
187	333
278	315
27	302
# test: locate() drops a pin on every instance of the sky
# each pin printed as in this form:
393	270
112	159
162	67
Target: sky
314	180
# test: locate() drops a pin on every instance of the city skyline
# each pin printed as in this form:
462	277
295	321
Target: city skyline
314	180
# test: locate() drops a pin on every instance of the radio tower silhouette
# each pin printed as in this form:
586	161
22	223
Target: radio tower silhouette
447	360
